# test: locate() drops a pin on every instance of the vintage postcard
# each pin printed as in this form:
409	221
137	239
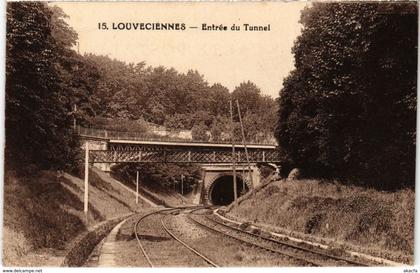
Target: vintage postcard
210	134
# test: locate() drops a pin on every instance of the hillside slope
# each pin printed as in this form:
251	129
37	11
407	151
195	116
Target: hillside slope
348	217
159	194
44	213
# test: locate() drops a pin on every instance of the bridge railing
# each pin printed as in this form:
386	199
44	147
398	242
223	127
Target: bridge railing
139	136
169	155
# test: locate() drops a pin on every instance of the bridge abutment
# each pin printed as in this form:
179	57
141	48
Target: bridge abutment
98	145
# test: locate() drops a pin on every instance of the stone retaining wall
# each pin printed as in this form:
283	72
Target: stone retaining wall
84	244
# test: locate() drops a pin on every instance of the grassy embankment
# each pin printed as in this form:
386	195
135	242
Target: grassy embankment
348	217
44	213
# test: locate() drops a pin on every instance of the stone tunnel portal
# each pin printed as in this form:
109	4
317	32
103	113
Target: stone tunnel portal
221	192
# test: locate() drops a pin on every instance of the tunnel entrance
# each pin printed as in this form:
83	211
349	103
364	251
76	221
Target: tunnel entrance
221	193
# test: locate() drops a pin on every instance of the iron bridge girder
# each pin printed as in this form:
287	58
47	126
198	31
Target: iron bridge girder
162	155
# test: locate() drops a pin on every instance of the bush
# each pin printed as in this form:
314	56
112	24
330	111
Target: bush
256	231
270	190
245	225
199	132
265	170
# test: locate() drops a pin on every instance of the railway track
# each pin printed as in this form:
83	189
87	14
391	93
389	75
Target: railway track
292	251
171	235
301	255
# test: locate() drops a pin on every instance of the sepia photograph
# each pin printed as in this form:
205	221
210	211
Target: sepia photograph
210	134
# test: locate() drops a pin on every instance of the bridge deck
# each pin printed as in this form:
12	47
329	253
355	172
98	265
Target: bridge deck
191	144
141	138
129	148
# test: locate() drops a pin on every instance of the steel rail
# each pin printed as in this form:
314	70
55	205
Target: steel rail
187	246
141	219
334	257
307	261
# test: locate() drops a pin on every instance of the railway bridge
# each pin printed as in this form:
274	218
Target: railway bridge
109	147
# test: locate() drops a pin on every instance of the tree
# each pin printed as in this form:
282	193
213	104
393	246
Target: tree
216	131
218	103
199	132
38	123
178	121
348	109
248	95
203	117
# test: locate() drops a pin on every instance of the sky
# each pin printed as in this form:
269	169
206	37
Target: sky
226	57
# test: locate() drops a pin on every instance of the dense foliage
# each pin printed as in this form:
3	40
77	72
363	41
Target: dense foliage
348	110
41	87
165	97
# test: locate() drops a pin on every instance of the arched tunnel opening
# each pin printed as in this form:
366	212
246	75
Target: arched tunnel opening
221	193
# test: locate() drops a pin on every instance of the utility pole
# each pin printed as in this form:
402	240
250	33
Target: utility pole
74	117
243	176
182	188
182	184
86	193
137	187
235	190
246	149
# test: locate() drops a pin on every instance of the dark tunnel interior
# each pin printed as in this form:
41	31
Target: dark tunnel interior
222	191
